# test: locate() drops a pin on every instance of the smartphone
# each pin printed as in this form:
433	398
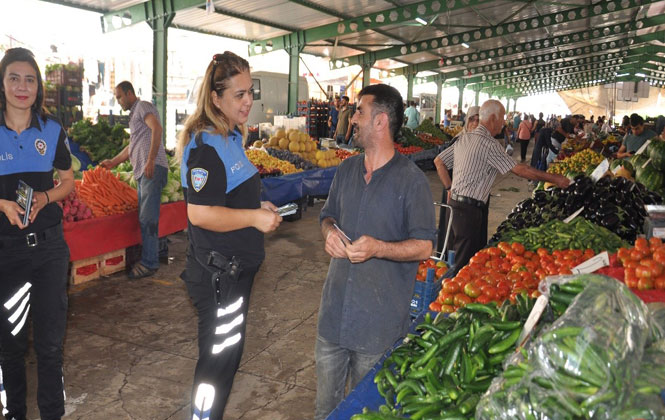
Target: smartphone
287	209
24	199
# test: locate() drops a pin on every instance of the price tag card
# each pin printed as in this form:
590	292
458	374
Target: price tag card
600	170
592	264
574	215
646	163
532	320
643	148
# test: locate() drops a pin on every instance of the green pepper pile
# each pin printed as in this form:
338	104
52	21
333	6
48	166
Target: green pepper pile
444	371
555	234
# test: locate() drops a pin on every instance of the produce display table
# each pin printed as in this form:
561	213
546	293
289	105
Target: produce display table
283	189
89	238
427	154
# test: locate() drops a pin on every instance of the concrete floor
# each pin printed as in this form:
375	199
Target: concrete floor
130	348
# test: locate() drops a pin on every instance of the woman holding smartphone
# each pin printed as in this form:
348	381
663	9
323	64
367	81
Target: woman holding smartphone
34	256
226	224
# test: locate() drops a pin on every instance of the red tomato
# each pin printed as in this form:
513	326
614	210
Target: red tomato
528	255
645	284
435	306
440	272
659	255
447	298
655	242
450	286
484	299
655	267
542	252
504	247
495	252
447	309
461	299
472	290
421	277
643	272
642	244
659	282
623	253
518	248
430	263
636	254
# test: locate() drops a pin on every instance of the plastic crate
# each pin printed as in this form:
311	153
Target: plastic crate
424	293
51	97
112	262
84	270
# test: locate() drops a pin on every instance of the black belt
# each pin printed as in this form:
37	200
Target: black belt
467	200
30	240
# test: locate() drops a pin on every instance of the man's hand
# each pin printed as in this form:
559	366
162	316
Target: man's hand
362	249
561	181
149	169
107	163
335	244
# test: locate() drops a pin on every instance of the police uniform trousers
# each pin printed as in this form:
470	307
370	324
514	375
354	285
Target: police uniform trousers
221	336
33	285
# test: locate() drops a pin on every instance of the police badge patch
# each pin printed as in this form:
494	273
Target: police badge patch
40	145
199	178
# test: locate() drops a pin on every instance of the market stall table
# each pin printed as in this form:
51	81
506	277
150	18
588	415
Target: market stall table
89	238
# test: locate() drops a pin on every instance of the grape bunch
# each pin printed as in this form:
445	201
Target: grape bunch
296	160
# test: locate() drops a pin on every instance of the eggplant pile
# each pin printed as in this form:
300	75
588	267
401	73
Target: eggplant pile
614	203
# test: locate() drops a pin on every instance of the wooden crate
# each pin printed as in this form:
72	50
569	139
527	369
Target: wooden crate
84	270
112	262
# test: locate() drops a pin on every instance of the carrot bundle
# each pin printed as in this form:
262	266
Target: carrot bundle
105	194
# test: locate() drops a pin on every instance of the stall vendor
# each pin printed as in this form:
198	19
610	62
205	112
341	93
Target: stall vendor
636	138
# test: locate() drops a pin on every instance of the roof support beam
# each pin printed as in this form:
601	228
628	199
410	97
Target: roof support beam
142	12
362	23
601	8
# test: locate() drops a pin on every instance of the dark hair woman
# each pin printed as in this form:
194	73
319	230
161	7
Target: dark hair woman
226	222
34	256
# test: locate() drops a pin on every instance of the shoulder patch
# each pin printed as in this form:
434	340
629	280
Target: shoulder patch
199	177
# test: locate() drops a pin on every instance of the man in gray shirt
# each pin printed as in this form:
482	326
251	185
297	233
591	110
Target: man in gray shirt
383	202
146	153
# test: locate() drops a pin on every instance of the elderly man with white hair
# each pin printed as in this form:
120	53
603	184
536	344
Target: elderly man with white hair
476	159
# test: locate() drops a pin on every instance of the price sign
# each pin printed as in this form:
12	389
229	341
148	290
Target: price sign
643	148
589	266
532	320
574	215
600	170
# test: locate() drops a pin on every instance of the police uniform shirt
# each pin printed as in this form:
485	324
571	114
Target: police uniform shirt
31	157
217	172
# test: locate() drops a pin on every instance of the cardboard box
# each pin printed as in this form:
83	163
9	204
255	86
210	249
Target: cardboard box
112	262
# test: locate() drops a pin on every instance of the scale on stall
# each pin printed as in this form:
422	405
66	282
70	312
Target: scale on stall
654	223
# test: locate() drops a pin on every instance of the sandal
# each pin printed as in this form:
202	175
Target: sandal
139	271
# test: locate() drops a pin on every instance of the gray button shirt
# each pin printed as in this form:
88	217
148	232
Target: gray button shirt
365	306
140	138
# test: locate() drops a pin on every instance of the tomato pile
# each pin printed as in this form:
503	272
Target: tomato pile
440	268
502	272
644	264
408	150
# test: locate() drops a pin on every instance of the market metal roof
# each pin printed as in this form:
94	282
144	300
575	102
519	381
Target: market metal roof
507	48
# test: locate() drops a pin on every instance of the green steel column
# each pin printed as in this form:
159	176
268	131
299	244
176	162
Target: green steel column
460	87
409	89
366	74
160	24
477	97
437	110
294	69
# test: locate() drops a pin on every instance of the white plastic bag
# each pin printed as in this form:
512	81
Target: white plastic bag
509	149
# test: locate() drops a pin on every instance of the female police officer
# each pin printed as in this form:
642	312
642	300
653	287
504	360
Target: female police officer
226	224
33	256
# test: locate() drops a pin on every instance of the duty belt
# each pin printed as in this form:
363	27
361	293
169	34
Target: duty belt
32	239
467	200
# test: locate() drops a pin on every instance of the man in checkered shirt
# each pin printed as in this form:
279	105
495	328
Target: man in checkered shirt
146	153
